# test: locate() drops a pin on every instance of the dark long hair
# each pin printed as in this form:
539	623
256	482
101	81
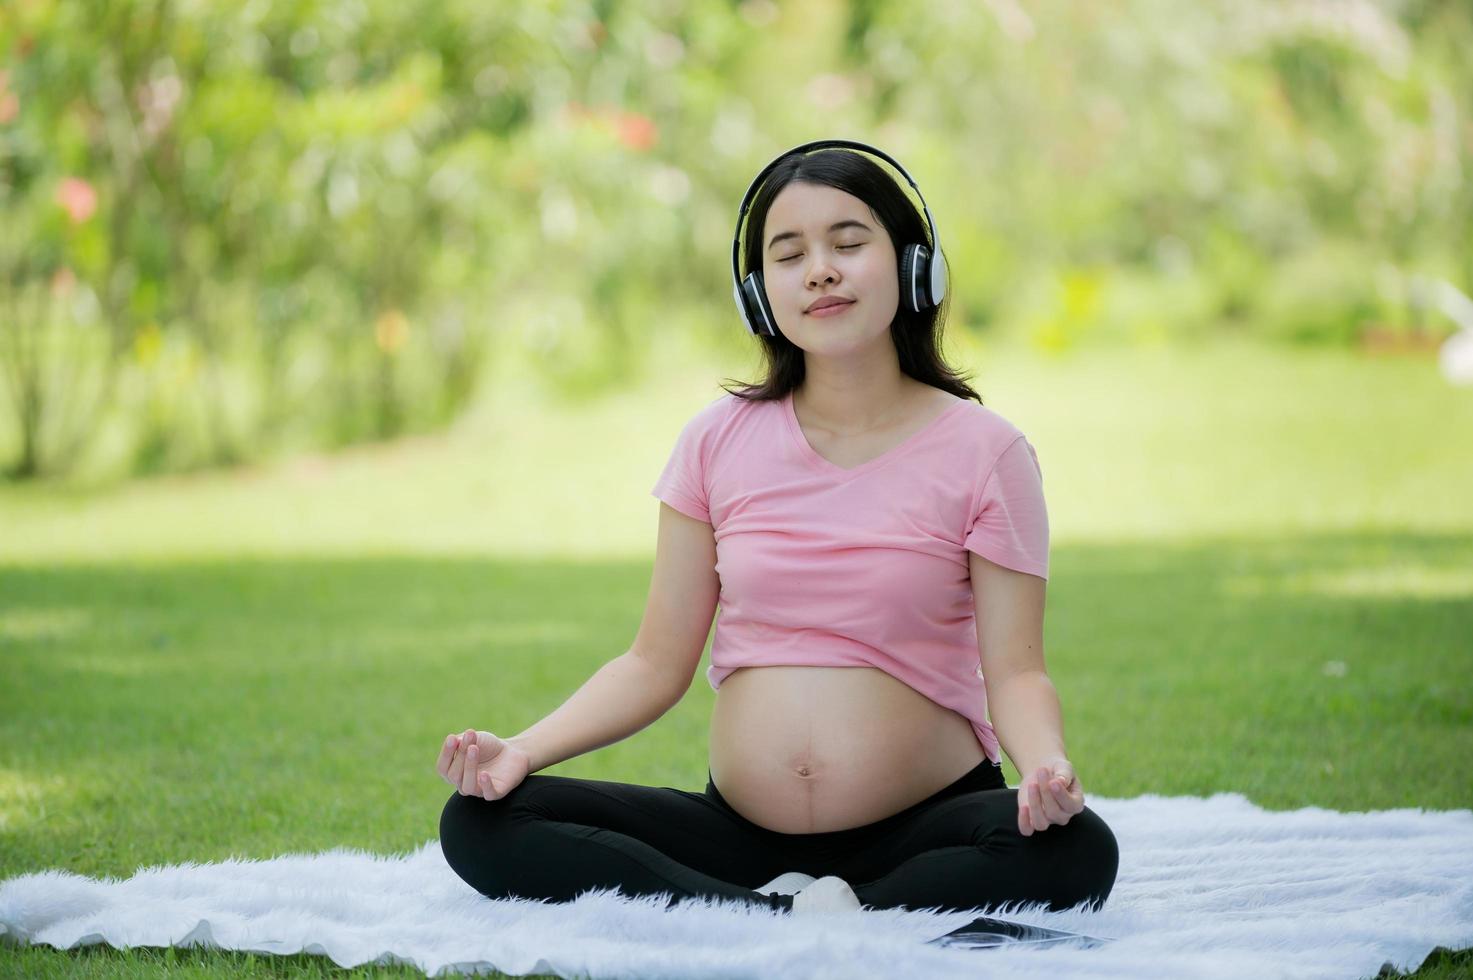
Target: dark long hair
917	336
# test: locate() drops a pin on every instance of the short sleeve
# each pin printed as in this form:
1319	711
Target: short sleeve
1009	522
682	483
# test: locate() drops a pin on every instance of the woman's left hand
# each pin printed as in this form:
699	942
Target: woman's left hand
1048	795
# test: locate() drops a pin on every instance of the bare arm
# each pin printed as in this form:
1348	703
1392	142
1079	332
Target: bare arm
624	696
1020	697
632	690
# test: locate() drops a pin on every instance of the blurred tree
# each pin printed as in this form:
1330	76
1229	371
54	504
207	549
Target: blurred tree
230	230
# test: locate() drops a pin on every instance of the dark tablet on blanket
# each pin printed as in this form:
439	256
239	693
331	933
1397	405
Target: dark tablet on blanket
986	932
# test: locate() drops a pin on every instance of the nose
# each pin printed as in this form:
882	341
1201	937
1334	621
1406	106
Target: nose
821	271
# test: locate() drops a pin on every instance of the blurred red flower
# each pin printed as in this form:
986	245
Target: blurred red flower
62	281
9	101
77	197
636	131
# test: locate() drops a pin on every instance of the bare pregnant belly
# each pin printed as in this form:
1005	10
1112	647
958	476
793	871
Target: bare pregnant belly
806	750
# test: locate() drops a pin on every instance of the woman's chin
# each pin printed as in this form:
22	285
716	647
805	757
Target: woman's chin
839	343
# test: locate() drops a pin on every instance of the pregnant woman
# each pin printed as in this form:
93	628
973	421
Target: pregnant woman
877	542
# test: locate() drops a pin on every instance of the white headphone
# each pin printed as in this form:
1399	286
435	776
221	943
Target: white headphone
922	268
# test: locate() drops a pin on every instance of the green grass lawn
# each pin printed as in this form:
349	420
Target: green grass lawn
1261	582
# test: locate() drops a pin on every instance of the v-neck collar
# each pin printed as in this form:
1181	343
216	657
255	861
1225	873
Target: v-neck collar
825	465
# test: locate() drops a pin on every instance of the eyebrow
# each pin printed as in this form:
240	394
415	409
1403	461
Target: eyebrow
847	223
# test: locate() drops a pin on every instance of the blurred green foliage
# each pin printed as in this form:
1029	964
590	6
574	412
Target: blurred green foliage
232	230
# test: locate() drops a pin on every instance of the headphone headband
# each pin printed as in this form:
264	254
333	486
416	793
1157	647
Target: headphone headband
817	145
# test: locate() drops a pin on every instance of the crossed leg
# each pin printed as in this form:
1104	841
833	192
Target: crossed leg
555	837
966	852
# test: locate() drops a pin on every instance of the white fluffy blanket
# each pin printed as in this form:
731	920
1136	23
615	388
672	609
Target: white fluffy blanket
1211	887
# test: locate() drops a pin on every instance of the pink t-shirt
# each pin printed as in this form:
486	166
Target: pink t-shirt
866	566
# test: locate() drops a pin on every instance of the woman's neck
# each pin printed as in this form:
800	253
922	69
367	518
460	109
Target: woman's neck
852	406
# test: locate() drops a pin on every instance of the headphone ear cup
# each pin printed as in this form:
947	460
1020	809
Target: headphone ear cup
754	308
922	278
939	279
913	278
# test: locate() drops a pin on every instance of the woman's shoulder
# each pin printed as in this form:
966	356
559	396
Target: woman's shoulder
726	407
715	422
989	424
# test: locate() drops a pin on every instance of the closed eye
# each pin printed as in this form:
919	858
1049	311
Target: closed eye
790	257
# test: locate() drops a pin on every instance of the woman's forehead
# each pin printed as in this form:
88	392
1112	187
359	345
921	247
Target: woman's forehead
801	199
816	209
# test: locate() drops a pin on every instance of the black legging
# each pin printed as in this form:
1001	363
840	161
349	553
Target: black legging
554	837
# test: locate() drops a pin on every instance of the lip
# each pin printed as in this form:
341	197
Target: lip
828	303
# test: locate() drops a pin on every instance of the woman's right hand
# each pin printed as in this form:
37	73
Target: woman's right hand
480	764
